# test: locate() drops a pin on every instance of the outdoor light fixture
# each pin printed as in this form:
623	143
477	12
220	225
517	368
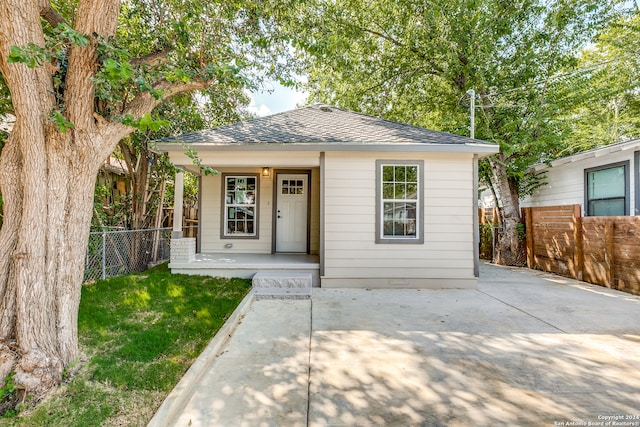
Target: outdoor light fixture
266	172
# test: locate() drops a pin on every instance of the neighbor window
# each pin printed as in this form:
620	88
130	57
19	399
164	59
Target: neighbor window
240	205
399	202
607	190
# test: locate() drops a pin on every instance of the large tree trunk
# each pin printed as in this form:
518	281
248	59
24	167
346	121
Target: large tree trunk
46	178
509	249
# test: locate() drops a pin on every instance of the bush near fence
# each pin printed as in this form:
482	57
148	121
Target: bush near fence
114	253
601	250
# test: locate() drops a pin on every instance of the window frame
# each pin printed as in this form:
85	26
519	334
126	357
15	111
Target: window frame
625	166
636	181
224	206
380	237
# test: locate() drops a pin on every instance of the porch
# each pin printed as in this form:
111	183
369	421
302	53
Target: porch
247	265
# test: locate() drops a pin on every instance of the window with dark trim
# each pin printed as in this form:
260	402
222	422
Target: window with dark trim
607	190
399	201
636	177
240	207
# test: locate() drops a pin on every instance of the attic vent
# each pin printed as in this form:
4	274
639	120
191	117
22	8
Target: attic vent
325	108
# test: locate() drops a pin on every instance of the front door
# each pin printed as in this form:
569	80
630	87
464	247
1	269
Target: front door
291	212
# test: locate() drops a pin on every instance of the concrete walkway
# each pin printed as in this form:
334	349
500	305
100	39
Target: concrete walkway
524	349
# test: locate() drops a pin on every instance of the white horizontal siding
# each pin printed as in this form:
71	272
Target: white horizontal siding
350	208
211	216
389	262
357	248
406	272
452	184
423	256
565	182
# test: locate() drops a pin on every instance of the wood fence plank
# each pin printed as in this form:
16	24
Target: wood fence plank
600	250
578	256
609	260
529	227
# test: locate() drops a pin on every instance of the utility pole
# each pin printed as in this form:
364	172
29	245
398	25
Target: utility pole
472	112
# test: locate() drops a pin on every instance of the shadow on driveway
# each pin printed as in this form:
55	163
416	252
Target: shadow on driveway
525	348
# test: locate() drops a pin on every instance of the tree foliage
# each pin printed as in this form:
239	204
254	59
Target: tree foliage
604	92
414	62
83	75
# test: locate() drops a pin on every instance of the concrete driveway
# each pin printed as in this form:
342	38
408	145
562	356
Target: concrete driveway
524	349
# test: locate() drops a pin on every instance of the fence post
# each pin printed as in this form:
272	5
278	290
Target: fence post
104	255
578	255
529	229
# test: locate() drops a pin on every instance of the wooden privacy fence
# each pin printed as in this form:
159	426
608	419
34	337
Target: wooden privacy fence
189	220
600	250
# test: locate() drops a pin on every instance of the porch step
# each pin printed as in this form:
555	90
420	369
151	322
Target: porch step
282	285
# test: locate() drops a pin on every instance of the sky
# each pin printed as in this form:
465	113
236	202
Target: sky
276	101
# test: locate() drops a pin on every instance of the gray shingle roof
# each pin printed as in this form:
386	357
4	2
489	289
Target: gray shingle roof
319	124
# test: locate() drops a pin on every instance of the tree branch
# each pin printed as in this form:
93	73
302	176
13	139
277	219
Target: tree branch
152	59
144	102
50	14
390	39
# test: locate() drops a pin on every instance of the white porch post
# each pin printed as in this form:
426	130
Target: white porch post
183	249
178	196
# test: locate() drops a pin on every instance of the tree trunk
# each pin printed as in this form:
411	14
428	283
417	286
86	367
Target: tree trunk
510	250
46	178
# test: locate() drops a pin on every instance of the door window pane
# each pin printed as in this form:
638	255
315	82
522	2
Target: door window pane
292	186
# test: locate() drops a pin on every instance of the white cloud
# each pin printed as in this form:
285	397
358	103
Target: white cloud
260	110
276	100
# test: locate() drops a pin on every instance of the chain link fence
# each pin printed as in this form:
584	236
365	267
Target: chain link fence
114	253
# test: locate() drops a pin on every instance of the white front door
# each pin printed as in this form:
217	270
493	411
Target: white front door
291	212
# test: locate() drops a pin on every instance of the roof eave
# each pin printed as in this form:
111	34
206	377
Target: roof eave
483	149
590	154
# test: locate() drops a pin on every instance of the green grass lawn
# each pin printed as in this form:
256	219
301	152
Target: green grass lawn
139	333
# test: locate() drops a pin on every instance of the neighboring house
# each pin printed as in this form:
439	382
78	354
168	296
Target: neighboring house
115	177
604	181
355	200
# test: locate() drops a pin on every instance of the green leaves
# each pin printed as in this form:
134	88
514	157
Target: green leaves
33	55
197	161
60	121
70	36
116	70
603	95
144	123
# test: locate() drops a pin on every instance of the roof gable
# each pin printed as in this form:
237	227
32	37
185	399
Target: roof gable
319	124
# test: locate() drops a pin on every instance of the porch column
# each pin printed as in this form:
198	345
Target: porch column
183	249
178	196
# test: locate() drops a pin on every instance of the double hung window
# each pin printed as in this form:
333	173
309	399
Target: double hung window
240	205
399	216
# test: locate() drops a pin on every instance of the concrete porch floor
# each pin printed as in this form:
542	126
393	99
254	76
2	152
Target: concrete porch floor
276	261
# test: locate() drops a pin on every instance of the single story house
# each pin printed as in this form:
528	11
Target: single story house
604	181
350	199
114	175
